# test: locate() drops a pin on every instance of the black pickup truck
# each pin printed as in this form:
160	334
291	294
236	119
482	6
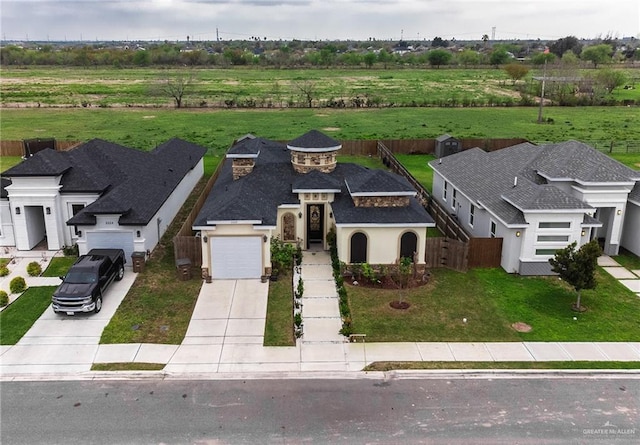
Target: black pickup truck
87	280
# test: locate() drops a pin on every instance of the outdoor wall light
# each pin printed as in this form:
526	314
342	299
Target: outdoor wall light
583	233
205	239
137	234
48	210
330	214
17	210
265	238
518	234
79	233
619	212
300	215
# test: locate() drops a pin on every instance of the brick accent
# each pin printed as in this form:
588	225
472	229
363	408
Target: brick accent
306	162
242	167
381	201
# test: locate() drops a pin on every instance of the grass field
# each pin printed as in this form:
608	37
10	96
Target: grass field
146	128
264	87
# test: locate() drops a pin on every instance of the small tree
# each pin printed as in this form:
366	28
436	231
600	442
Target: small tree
499	56
597	54
176	87
577	267
516	71
437	57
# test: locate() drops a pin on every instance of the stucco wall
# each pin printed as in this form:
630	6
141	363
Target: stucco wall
631	228
6	225
383	243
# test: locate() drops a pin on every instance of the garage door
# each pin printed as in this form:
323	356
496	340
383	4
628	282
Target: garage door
236	257
111	240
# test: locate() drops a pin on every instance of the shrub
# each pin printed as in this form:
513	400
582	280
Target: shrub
34	269
4	298
70	250
17	285
4	271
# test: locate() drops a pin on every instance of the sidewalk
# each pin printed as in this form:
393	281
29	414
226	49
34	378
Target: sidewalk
628	278
226	336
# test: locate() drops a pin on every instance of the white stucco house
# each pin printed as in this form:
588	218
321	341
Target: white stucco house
298	192
97	195
540	199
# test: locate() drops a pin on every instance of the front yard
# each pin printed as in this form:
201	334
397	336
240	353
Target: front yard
491	301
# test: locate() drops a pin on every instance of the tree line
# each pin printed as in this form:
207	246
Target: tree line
296	54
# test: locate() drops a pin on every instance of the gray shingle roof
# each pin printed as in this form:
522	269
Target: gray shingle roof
257	195
130	182
314	139
378	181
247	146
488	178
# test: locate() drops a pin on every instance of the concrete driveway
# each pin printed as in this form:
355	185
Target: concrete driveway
62	343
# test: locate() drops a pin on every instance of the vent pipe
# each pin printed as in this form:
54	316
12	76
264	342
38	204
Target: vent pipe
515	181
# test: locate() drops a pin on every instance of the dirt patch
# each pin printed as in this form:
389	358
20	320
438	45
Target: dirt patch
148	117
401	305
521	327
331	129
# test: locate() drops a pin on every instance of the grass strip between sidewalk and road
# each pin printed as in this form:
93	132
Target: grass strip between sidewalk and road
19	316
389	366
127	366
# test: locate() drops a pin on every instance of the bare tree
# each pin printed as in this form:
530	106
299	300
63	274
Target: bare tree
308	91
175	87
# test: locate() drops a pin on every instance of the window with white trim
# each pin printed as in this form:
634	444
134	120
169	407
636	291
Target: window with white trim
546	252
553	238
454	199
444	191
472	214
555	225
492	230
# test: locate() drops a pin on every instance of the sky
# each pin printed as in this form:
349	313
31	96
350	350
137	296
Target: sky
97	20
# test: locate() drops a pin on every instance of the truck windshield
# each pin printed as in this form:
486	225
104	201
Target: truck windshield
80	277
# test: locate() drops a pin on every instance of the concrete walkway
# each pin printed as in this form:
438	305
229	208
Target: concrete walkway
226	335
629	278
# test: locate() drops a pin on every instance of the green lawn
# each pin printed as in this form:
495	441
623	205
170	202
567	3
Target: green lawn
145	128
388	366
491	300
18	318
417	166
59	266
278	329
628	259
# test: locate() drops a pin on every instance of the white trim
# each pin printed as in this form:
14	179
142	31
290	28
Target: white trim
373	194
579	181
314	150
565	210
234	222
242	156
405	225
315	191
289	206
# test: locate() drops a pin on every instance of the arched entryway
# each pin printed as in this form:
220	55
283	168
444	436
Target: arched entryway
358	248
408	245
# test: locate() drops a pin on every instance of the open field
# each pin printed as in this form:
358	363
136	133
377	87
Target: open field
267	87
145	128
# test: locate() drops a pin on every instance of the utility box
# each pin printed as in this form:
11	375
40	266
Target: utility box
184	268
138	260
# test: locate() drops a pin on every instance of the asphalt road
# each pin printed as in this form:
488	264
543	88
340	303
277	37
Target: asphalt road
358	411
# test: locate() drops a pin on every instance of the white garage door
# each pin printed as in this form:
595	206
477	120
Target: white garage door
236	257
111	240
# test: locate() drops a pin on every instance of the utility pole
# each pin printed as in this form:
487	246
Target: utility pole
544	78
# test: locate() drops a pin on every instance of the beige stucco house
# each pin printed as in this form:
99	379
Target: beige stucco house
298	192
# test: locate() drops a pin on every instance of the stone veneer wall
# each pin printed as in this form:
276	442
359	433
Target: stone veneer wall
242	167
306	162
381	201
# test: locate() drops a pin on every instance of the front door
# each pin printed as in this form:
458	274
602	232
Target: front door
315	223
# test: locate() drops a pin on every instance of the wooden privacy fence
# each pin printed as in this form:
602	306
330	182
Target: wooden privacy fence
16	148
462	256
185	243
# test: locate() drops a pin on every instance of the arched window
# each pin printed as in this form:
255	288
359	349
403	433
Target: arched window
408	245
288	227
358	248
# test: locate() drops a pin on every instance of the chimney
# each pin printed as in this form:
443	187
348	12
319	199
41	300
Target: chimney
242	167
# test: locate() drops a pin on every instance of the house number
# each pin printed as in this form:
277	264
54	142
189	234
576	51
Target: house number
109	223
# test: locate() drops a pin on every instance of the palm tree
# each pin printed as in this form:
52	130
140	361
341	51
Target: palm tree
485	39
